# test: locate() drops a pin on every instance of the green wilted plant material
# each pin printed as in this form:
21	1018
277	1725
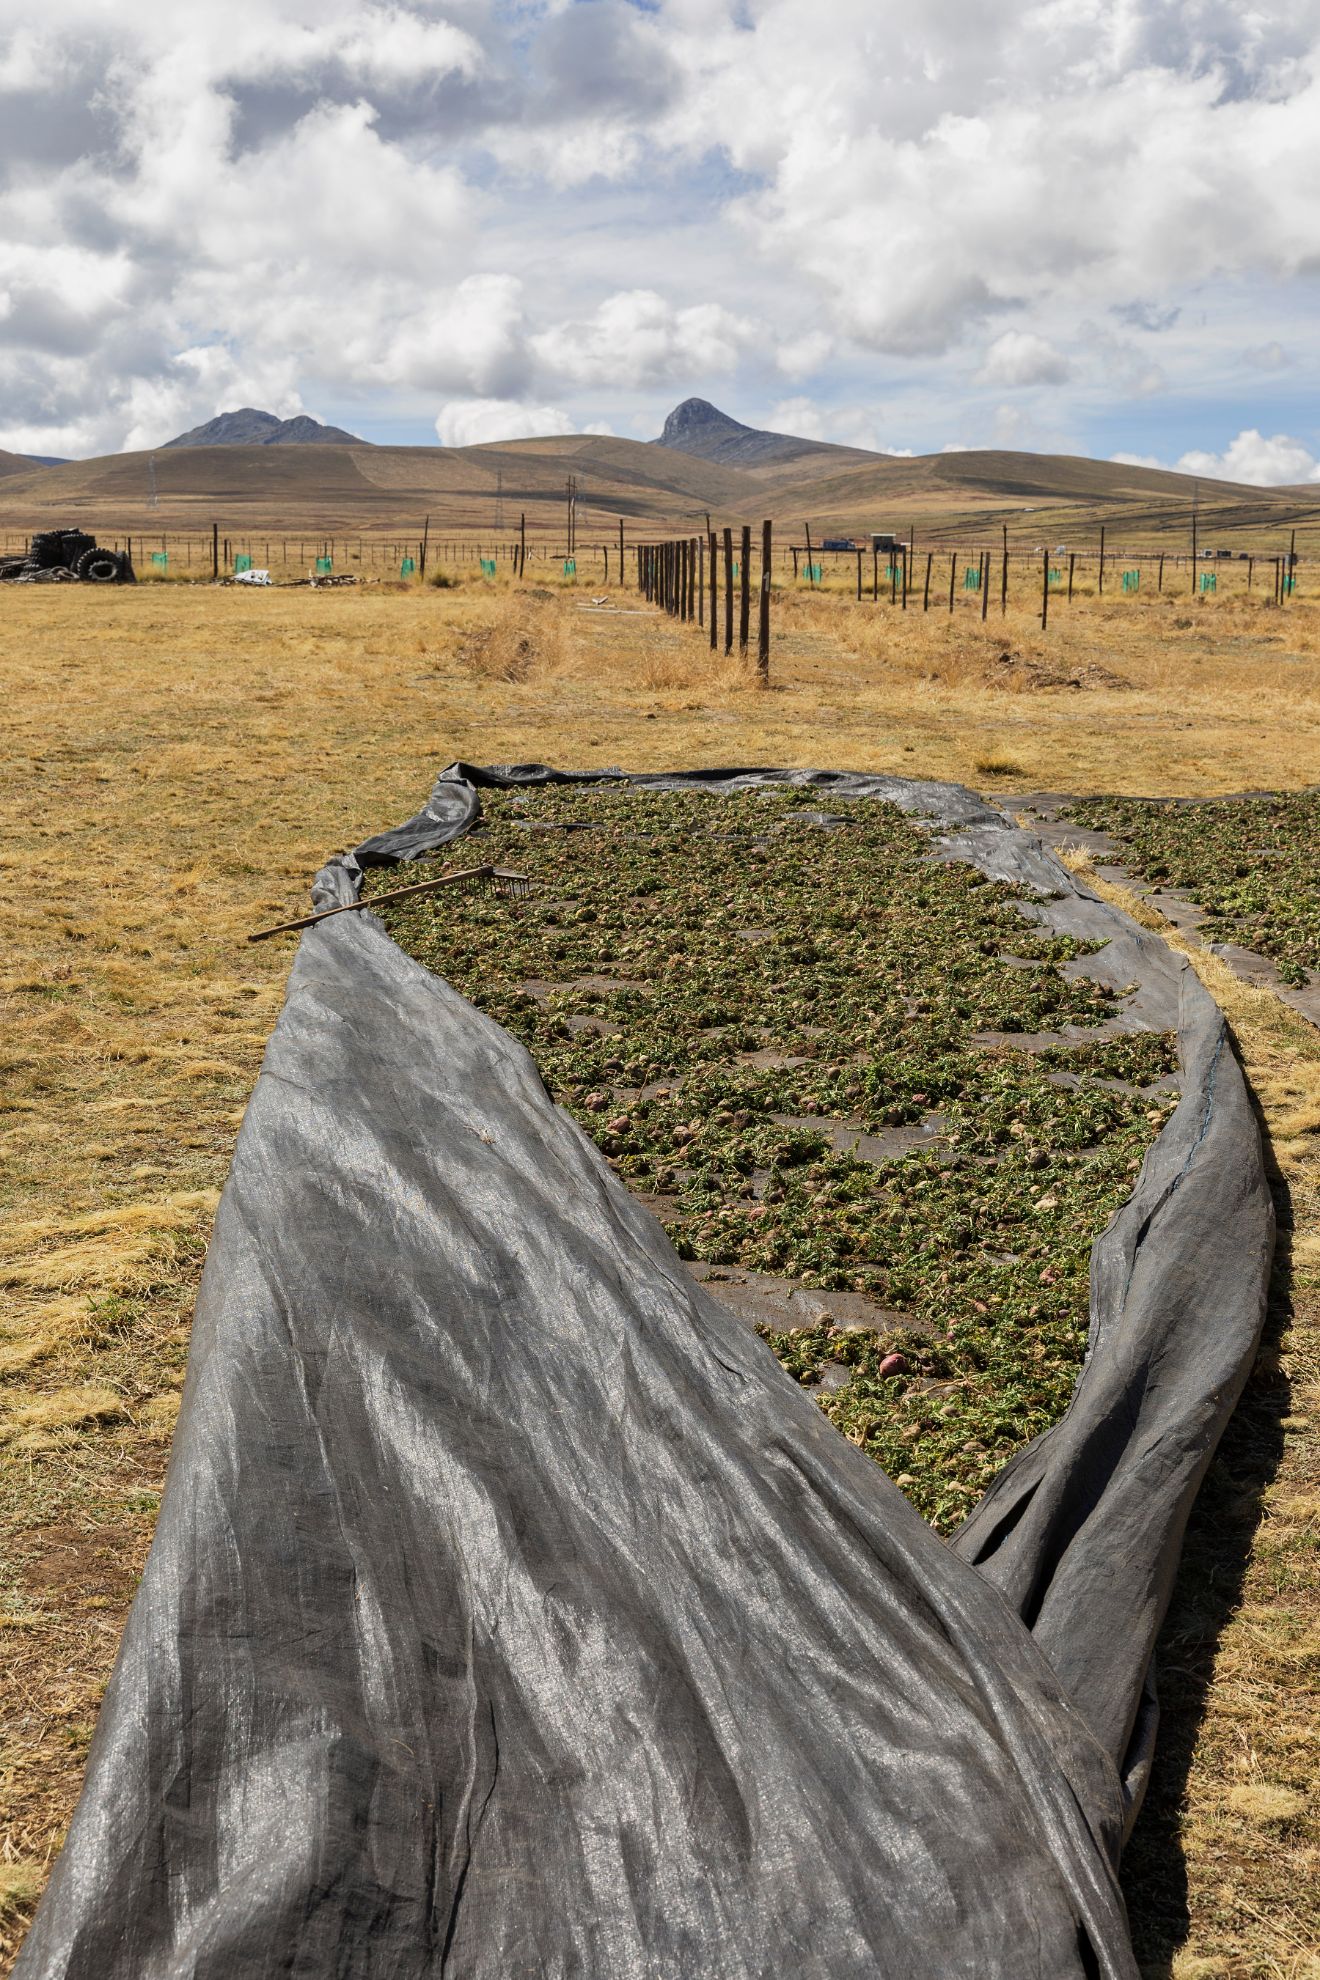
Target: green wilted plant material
710	985
1253	864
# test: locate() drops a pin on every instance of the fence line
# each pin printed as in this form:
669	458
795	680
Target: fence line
895	573
682	574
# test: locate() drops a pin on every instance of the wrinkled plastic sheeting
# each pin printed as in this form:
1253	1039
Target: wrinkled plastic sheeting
513	1614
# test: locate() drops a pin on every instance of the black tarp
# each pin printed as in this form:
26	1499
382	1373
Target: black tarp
513	1614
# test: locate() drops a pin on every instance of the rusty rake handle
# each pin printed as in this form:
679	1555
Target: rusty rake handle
501	880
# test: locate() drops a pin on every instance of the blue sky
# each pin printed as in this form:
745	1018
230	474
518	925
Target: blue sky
1067	225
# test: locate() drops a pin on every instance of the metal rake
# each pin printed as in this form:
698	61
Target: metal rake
468	880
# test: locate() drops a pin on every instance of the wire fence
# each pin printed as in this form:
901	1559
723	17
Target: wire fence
942	576
290	557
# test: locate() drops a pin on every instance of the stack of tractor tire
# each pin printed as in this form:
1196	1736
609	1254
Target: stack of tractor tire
66	556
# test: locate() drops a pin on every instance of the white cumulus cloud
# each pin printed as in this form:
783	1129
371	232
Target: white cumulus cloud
389	205
1020	357
638	337
800	417
469	422
1261	461
1270	462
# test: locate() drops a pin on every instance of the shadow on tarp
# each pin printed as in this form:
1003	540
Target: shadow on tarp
511	1611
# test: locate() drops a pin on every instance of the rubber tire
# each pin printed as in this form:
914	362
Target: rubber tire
100	567
47	549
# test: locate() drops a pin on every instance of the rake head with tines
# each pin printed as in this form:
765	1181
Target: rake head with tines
470	880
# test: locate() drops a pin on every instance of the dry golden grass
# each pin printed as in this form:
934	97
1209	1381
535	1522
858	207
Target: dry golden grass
178	761
1225	1863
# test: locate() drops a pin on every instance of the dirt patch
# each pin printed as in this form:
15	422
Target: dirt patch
88	1566
1020	673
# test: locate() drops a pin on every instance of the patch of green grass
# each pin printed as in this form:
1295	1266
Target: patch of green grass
1253	864
689	968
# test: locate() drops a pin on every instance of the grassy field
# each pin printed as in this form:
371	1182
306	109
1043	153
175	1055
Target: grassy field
177	761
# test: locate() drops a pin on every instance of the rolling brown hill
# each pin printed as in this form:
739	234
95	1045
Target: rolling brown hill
655	487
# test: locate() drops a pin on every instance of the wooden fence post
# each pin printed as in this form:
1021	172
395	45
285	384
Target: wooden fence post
811	567
1101	592
953	572
925	596
1045	591
714	592
1072	565
728	590
985	587
763	619
744	589
859	577
215	550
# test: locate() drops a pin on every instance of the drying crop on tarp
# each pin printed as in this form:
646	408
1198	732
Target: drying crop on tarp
541	1588
807	1048
1253	865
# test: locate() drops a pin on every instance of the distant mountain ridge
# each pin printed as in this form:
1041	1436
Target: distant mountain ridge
697	427
249	427
704	464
